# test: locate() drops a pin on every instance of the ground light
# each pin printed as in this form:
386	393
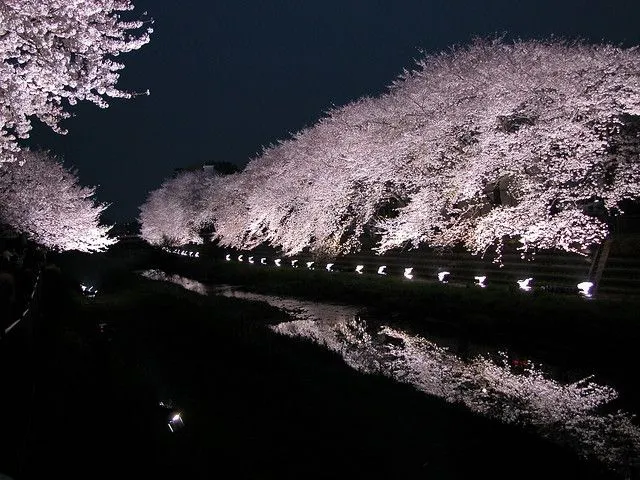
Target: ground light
442	276
175	421
277	261
381	270
251	260
89	291
228	257
294	263
263	261
329	267
481	279
240	257
585	289
408	274
359	269
310	265
525	284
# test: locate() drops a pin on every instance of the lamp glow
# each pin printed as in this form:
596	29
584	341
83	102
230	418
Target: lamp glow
329	267
310	265
359	269
525	284
277	261
585	289
481	279
228	257
442	277
250	259
294	263
263	261
240	257
381	270
408	274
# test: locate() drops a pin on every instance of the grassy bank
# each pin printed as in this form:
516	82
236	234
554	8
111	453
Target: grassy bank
560	328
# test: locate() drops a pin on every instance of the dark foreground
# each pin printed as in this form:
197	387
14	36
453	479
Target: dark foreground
85	403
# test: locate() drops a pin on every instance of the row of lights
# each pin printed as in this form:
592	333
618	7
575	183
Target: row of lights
584	288
184	253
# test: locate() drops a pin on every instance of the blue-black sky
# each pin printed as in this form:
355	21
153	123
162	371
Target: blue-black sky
228	77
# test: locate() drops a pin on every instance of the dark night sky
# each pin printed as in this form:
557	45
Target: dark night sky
227	77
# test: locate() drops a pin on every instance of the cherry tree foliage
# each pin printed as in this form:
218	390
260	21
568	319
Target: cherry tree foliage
55	53
42	199
475	146
173	214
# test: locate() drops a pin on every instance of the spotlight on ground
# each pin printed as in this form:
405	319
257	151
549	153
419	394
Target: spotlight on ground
175	422
525	284
442	277
481	280
585	289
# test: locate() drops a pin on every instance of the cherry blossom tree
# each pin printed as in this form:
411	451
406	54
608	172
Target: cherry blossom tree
55	53
477	145
42	199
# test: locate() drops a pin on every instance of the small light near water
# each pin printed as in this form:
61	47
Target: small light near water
359	269
175	421
381	270
408	274
88	290
585	289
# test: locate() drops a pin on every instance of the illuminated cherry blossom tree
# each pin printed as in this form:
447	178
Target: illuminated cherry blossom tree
43	200
475	146
175	213
55	53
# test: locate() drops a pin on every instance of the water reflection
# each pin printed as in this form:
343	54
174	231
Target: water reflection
566	413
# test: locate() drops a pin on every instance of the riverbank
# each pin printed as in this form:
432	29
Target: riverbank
253	402
568	330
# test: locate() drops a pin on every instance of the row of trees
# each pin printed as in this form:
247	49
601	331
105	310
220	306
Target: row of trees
53	54
474	146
